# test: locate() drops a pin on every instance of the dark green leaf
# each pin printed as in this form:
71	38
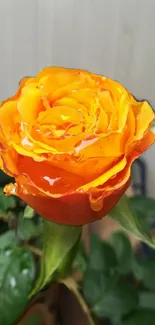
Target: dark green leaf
119	299
8	239
28	212
138	267
143	206
65	267
95	284
81	258
102	256
144	270
147	299
123	250
6	202
8	243
125	216
59	242
141	317
16	279
29	228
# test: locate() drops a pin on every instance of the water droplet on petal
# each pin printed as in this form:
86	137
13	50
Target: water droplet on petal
26	143
96	203
84	143
22	125
51	181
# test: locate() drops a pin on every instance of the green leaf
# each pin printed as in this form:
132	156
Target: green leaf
144	270
142	212
65	267
8	239
28	212
125	216
8	243
59	243
81	258
6	202
141	317
29	228
102	255
147	300
95	284
123	250
16	279
144	208
119	299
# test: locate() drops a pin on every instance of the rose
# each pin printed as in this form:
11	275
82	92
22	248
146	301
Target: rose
69	137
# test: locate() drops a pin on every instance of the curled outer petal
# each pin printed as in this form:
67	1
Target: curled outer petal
72	209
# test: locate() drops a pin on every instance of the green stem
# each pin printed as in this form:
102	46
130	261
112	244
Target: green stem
72	286
34	250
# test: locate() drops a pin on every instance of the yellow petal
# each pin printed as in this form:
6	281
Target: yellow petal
144	115
104	178
22	151
29	105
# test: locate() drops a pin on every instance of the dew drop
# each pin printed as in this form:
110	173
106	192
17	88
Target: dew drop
25	271
96	204
84	144
8	252
22	125
26	143
12	282
51	181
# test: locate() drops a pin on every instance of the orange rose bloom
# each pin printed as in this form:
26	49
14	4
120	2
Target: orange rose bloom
69	137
